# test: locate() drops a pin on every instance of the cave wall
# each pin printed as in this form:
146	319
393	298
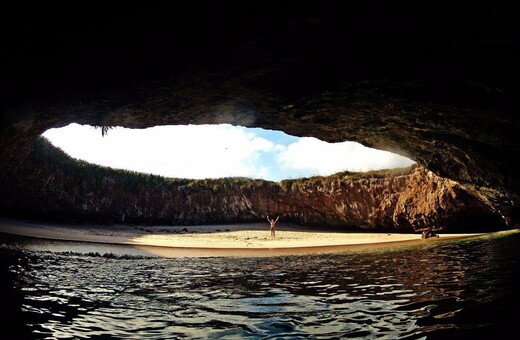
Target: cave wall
53	186
438	85
472	145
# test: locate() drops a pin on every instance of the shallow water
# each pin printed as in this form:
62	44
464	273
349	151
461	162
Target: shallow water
460	288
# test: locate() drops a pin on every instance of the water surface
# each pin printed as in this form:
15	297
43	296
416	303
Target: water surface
461	288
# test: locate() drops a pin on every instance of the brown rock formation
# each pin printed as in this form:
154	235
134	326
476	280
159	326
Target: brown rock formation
437	85
56	186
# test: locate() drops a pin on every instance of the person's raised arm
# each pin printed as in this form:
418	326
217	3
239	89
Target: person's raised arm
277	218
268	220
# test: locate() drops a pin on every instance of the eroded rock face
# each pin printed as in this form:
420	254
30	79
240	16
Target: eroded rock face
438	86
474	146
55	186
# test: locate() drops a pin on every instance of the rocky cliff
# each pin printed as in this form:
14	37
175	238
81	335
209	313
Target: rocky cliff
438	85
55	186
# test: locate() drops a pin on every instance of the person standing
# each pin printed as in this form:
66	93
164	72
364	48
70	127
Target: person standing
273	225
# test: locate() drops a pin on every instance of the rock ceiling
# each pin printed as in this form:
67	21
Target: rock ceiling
436	84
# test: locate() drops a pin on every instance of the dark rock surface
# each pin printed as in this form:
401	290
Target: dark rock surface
437	84
54	186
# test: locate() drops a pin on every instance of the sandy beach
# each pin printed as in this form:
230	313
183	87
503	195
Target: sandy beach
236	239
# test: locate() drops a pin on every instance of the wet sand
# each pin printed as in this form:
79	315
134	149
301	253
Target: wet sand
218	240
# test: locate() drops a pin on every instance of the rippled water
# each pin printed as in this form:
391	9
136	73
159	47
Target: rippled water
463	289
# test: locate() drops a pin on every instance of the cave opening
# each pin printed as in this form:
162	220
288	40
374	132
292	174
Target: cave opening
217	151
49	184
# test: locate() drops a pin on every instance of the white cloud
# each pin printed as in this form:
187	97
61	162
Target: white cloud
212	151
204	151
314	156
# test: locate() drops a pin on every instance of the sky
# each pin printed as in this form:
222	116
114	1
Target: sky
214	151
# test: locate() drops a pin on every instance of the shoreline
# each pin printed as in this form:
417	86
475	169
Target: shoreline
252	239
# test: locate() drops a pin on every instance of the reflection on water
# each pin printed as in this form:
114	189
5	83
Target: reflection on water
458	288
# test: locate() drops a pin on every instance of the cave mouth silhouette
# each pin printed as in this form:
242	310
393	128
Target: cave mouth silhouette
217	151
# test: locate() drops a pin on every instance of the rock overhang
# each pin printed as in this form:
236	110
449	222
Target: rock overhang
448	101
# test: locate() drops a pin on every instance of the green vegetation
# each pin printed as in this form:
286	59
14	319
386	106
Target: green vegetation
341	177
53	157
132	181
104	129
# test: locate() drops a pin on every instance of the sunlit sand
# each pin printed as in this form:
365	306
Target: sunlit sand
235	239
